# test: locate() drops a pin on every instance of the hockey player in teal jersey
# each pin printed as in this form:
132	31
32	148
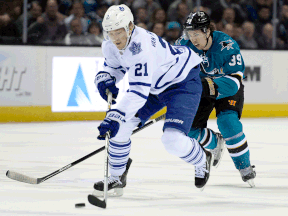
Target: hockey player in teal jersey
222	71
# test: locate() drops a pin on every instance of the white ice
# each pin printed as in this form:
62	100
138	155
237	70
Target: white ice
158	183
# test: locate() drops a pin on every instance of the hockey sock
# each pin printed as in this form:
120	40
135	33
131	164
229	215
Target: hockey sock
236	142
205	137
195	155
118	156
188	149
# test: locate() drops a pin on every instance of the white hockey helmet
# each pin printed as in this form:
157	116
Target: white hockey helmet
116	17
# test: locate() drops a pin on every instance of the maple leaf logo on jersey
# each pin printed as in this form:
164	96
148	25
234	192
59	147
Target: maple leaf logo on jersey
227	44
135	48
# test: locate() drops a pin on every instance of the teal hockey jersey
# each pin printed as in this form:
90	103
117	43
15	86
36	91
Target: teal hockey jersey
223	62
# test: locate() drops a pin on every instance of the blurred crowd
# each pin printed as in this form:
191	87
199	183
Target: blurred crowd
78	22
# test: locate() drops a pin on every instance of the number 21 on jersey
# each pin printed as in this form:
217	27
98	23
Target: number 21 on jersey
139	71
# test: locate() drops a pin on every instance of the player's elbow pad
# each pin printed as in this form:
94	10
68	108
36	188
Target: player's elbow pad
234	89
209	88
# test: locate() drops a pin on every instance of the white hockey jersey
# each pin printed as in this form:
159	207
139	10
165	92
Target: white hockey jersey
152	65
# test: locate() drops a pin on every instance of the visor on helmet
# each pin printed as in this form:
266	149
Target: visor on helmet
187	35
114	35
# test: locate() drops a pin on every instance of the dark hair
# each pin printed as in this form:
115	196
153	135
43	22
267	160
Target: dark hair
76	1
154	15
264	7
212	28
76	18
139	8
102	4
33	3
94	24
152	27
177	8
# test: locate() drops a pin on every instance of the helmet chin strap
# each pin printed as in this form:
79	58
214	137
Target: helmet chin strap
207	40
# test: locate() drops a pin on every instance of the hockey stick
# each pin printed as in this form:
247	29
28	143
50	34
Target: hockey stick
103	203
95	200
30	180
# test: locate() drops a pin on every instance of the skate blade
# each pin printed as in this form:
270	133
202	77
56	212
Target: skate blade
216	165
117	192
251	183
222	152
201	189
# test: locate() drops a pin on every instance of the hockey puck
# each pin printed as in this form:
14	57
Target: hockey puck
79	205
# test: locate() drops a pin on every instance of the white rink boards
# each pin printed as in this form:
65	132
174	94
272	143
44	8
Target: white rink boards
158	183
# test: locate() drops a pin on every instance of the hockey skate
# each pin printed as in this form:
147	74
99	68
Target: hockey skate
219	150
202	173
248	174
115	184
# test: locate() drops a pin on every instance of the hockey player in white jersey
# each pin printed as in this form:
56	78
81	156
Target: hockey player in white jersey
159	75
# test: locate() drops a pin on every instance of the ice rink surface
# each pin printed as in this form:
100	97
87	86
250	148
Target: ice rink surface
158	183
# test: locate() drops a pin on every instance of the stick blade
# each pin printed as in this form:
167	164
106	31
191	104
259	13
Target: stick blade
96	202
21	178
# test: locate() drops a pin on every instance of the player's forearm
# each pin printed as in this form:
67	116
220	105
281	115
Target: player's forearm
227	86
117	73
131	103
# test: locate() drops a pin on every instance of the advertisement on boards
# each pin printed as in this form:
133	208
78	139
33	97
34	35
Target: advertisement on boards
20	76
266	77
73	88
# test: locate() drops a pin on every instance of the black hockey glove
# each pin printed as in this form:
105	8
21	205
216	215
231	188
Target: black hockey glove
209	88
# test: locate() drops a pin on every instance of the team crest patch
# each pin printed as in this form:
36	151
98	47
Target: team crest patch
205	60
135	48
227	44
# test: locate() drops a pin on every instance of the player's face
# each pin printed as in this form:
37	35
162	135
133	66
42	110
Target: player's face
118	37
198	38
